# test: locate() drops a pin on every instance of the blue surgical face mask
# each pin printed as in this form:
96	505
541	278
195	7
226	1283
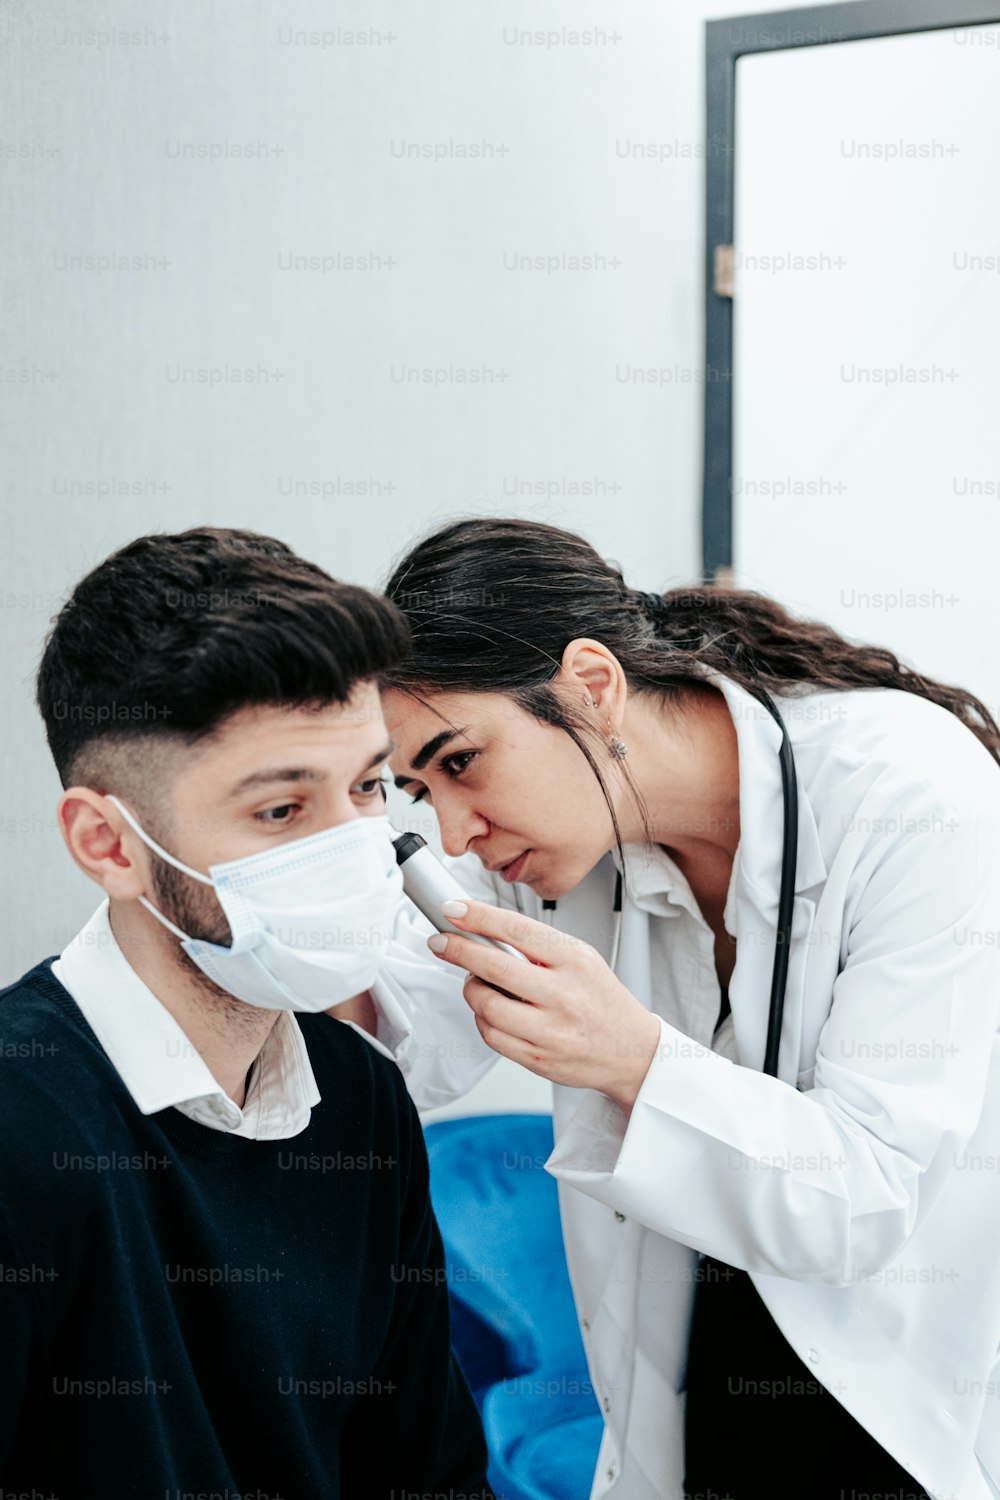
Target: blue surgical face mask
311	919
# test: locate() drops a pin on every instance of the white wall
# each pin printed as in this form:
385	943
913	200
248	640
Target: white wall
98	130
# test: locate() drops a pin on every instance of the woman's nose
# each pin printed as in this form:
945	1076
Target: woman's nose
458	826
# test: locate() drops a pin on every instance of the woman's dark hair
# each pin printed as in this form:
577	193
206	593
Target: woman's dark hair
172	633
493	603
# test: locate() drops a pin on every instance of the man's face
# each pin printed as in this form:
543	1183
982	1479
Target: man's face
269	775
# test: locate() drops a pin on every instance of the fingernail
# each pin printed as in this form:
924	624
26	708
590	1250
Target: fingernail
454	908
437	942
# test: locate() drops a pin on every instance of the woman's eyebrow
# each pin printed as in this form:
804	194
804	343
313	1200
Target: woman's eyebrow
426	752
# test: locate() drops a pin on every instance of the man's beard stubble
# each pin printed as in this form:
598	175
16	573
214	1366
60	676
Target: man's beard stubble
198	914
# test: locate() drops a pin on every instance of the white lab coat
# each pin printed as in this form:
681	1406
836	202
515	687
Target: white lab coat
861	1188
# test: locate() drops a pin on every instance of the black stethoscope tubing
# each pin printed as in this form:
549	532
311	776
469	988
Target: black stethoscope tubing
786	894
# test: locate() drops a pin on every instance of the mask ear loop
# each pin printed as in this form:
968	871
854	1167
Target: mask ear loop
178	864
166	922
158	849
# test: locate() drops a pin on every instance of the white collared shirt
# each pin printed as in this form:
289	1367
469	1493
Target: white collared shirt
159	1064
860	1188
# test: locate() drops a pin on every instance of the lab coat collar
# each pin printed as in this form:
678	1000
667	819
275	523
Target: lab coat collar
651	873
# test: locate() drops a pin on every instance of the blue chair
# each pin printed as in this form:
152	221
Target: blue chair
514	1324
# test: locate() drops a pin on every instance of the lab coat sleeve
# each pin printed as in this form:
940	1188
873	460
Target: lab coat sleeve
827	1185
423	1019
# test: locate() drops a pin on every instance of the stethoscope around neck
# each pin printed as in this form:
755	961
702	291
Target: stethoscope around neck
786	894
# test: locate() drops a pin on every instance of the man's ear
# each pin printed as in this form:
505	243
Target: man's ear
593	674
102	844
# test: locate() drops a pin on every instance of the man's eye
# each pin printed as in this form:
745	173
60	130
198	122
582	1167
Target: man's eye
370	788
276	814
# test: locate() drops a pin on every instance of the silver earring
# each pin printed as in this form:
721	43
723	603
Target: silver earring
618	747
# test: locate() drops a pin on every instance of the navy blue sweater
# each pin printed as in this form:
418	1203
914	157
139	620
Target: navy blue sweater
185	1311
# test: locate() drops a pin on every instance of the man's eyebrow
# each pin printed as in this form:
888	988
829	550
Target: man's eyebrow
271	775
382	754
427	753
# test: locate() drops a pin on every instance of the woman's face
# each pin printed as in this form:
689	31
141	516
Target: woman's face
503	785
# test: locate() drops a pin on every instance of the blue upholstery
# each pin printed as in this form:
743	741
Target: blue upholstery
514	1323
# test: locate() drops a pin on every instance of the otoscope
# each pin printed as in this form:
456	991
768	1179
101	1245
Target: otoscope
428	883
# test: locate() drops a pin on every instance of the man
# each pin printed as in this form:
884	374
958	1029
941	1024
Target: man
220	1272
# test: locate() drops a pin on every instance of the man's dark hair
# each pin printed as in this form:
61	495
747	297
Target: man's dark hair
173	633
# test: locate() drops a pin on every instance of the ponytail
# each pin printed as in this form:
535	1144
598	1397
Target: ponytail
492	603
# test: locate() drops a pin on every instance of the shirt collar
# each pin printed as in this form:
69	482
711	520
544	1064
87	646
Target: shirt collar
651	872
158	1063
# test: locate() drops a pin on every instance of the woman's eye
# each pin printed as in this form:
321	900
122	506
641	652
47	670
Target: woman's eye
451	768
276	814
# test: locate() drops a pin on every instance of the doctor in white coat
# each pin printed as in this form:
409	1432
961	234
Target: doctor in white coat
756	1260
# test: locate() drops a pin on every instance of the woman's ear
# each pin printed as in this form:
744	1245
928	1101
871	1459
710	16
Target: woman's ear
591	673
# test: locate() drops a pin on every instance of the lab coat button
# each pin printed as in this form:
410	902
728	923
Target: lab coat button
606	1403
585	1324
813	1356
619	1217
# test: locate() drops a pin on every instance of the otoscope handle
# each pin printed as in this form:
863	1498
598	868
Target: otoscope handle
429	883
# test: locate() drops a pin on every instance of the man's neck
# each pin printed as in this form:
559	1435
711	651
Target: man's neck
226	1033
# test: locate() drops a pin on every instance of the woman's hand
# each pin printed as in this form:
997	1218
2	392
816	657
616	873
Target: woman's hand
574	1022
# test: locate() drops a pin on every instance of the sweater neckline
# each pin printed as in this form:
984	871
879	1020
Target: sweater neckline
187	1134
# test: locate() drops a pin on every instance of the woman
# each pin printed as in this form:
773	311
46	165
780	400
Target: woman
786	1285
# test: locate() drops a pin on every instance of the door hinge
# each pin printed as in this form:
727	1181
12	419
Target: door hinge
725	256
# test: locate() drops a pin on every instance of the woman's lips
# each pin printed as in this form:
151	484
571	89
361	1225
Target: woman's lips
513	870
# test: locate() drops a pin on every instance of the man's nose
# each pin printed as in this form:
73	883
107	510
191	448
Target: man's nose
457	826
